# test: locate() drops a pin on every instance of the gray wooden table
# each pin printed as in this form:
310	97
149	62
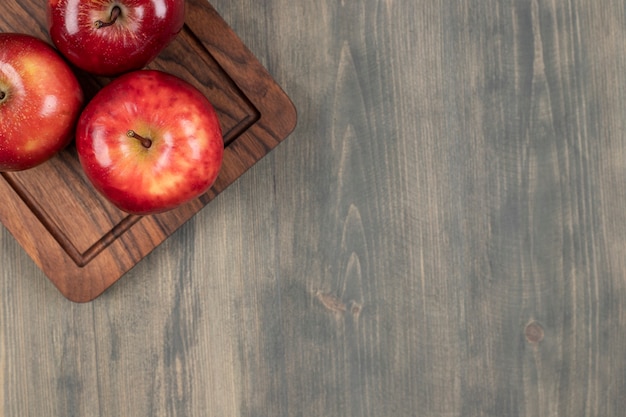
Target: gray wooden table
444	234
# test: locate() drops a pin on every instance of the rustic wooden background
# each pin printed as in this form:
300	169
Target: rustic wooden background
444	234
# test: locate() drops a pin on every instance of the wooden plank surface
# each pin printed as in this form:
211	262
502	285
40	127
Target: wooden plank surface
444	234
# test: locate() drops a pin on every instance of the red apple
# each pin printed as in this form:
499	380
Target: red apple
40	101
149	142
111	37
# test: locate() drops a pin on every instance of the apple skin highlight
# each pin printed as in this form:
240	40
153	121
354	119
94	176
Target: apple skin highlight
186	148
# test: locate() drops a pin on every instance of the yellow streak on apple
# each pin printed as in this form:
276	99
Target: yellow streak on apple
31	145
32	66
161	184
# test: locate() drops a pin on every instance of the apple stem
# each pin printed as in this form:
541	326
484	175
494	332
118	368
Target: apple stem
115	13
144	141
2	95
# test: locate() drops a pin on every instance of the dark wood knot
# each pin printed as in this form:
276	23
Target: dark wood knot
534	332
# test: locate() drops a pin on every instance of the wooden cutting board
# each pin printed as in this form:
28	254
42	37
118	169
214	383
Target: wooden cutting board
81	242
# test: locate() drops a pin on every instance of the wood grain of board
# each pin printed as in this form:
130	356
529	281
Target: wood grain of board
81	241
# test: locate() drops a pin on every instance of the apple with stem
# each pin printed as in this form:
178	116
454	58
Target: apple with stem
111	37
40	101
150	142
